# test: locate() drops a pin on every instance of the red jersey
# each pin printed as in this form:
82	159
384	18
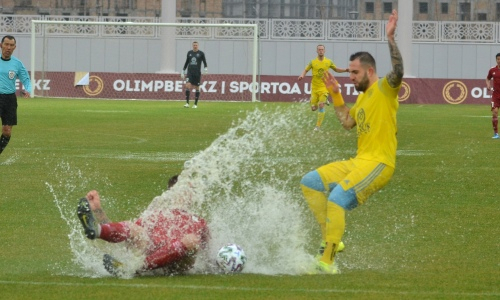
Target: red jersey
494	73
164	228
165	231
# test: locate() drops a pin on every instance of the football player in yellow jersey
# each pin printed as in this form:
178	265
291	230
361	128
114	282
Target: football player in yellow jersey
319	94
336	187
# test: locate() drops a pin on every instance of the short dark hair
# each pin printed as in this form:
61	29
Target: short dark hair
498	54
172	181
10	37
365	58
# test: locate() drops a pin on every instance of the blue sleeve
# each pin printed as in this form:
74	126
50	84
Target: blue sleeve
24	77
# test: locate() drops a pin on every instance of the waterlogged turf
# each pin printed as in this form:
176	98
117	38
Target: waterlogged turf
430	234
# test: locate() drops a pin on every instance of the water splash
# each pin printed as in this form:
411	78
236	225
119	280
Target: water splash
246	185
10	160
68	182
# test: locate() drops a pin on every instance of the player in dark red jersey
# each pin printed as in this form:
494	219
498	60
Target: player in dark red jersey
168	238
494	74
193	75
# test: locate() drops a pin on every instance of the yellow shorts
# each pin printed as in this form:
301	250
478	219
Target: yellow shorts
318	96
349	183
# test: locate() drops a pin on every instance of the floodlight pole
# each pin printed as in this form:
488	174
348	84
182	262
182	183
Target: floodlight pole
168	41
405	34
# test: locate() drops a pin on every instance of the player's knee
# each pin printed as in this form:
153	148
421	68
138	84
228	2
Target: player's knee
313	181
314	108
345	199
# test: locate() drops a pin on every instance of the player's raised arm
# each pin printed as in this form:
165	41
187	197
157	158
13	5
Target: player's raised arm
395	76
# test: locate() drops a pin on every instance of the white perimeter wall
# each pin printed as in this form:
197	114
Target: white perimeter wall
430	60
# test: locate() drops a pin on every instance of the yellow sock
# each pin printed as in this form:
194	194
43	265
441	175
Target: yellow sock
317	204
335	227
321	117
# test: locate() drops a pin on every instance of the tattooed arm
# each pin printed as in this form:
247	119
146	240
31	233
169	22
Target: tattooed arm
395	76
95	206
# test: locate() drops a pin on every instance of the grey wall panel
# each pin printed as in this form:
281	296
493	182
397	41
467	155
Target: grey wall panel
23	49
127	53
297	60
97	64
267	58
226	60
70	58
382	57
223	57
154	55
492	54
454	61
82	48
425	52
56	56
211	51
241	57
469	53
111	59
429	60
438	57
485	59
283	58
140	59
339	53
181	49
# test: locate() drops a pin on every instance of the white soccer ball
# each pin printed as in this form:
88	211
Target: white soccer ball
231	258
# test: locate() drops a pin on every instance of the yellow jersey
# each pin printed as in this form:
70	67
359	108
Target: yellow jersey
319	67
375	115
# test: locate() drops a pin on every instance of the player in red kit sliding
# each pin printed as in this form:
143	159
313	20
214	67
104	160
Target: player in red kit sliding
168	238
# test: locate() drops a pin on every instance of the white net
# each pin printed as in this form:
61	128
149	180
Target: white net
142	60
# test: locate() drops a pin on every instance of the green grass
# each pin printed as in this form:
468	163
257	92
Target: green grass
432	233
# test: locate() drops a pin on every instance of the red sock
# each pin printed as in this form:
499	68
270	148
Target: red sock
166	255
114	232
495	124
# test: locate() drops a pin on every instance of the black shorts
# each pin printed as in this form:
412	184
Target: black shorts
194	78
8	109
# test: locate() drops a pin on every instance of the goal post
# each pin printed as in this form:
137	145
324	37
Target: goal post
120	60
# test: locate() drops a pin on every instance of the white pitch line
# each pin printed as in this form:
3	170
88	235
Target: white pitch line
106	111
413	152
253	289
